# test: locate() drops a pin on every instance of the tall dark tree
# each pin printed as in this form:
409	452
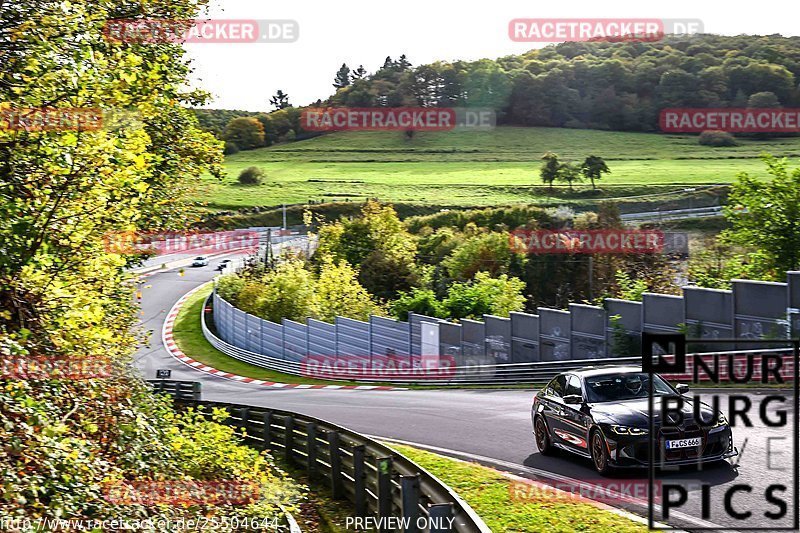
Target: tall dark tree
280	100
593	168
550	168
403	63
342	78
388	63
358	73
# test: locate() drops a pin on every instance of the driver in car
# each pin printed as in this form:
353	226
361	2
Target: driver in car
634	384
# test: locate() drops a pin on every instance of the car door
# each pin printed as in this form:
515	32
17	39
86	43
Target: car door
553	407
573	420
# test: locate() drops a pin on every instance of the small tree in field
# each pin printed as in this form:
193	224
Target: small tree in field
251	176
593	168
569	173
550	168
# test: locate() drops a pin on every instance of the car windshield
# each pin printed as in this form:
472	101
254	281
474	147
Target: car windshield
201	258
629	386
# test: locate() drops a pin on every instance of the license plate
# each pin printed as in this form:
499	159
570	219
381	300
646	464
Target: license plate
683	443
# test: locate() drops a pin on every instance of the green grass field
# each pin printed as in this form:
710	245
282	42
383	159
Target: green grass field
478	168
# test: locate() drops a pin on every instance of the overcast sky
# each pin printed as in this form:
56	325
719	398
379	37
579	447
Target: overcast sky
244	76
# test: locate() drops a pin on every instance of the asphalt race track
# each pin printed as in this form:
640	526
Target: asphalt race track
490	426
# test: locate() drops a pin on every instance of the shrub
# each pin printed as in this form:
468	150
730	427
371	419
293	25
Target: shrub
717	138
246	132
420	301
485	295
230	148
251	176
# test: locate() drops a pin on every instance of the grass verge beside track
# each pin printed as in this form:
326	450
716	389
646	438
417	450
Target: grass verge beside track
489	493
189	337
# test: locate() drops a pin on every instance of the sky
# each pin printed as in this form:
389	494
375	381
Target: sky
363	32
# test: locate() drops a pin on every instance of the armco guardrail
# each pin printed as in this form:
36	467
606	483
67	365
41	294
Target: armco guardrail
379	481
674	214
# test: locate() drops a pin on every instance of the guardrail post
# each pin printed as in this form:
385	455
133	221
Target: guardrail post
337	490
384	465
196	393
311	449
409	488
440	517
359	477
288	438
266	434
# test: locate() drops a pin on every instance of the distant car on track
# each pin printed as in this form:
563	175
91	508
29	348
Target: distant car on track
601	413
200	261
223	264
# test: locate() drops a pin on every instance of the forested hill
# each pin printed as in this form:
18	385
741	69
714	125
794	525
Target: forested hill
598	85
618	86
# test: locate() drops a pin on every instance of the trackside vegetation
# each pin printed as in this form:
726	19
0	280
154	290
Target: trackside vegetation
491	495
75	419
452	265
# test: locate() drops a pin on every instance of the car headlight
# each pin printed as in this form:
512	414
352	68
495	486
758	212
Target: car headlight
627	430
721	421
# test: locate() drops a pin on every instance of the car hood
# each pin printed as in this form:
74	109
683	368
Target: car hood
635	412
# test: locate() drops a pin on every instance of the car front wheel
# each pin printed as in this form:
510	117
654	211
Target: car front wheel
600	453
542	437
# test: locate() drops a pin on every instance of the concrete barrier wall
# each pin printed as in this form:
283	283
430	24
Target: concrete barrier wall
525	338
554	334
623	327
588	328
760	309
752	309
709	315
389	336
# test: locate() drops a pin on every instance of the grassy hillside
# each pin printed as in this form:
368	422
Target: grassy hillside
478	167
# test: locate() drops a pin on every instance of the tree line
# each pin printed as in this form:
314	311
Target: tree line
598	85
620	86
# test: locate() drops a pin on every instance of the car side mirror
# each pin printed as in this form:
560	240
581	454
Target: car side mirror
573	399
682	388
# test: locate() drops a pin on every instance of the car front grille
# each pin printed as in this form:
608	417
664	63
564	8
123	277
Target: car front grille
708	448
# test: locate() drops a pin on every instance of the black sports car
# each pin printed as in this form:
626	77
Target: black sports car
602	413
